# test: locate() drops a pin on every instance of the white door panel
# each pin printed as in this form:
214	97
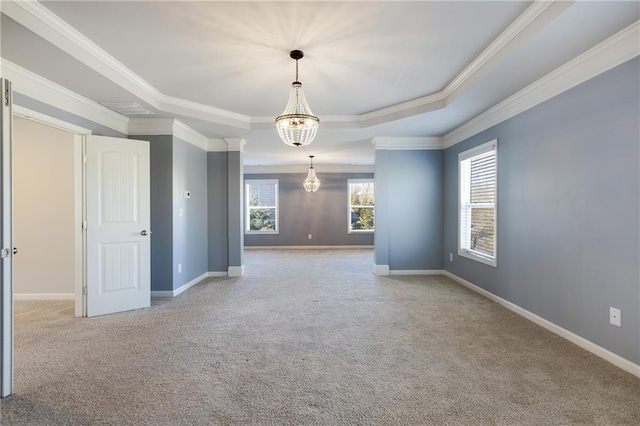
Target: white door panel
118	219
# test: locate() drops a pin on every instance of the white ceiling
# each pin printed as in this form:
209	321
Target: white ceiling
370	68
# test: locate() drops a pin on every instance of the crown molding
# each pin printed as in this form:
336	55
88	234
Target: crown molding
235	144
37	18
167	126
187	134
615	50
532	20
43	22
43	90
303	169
151	126
402	143
217	145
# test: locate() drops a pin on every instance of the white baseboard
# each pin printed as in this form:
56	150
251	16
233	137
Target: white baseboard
304	247
603	353
44	296
235	271
180	289
211	274
382	270
416	272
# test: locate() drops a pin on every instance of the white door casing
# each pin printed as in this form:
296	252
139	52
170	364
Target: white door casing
118	225
6	243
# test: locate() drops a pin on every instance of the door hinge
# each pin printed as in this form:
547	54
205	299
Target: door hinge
4	253
6	96
84	225
84	158
84	291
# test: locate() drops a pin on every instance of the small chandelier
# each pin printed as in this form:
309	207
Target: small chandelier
311	183
297	125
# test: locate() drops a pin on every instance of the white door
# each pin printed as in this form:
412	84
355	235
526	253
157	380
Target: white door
118	233
6	244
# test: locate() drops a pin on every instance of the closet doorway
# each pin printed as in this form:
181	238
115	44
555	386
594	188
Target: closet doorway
47	188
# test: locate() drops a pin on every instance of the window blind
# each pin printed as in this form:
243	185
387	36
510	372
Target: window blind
478	201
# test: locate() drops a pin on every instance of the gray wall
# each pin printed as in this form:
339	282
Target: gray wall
217	219
161	154
51	111
190	230
323	214
410	209
235	205
568	209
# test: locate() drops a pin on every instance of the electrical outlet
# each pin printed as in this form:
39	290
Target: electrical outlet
180	212
615	317
179	268
309	236
451	257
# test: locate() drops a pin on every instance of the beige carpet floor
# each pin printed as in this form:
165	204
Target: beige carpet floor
309	338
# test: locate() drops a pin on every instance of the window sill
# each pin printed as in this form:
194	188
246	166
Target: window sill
261	232
361	231
472	256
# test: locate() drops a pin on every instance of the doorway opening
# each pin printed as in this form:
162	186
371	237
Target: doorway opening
48	210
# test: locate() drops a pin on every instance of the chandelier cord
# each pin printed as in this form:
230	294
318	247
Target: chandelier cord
296	70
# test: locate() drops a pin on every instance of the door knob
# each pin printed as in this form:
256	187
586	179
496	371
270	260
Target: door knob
144	233
15	250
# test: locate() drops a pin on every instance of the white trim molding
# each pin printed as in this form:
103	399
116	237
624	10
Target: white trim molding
40	20
612	52
34	86
382	270
217	145
30	114
182	288
402	143
304	169
167	126
531	21
216	274
306	247
235	144
416	272
603	353
44	296
235	271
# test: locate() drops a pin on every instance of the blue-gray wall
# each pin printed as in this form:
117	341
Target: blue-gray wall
217	220
323	214
235	208
568	210
190	229
175	166
161	154
409	215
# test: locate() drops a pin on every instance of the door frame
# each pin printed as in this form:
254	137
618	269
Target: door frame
79	151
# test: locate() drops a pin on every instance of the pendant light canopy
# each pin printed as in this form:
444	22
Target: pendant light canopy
311	183
297	125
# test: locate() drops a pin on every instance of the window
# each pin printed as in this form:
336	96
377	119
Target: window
478	197
361	205
261	206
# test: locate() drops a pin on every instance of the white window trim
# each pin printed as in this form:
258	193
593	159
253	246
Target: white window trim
471	254
246	203
349	206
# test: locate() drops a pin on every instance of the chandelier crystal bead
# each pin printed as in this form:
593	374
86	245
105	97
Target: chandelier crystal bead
297	126
311	183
